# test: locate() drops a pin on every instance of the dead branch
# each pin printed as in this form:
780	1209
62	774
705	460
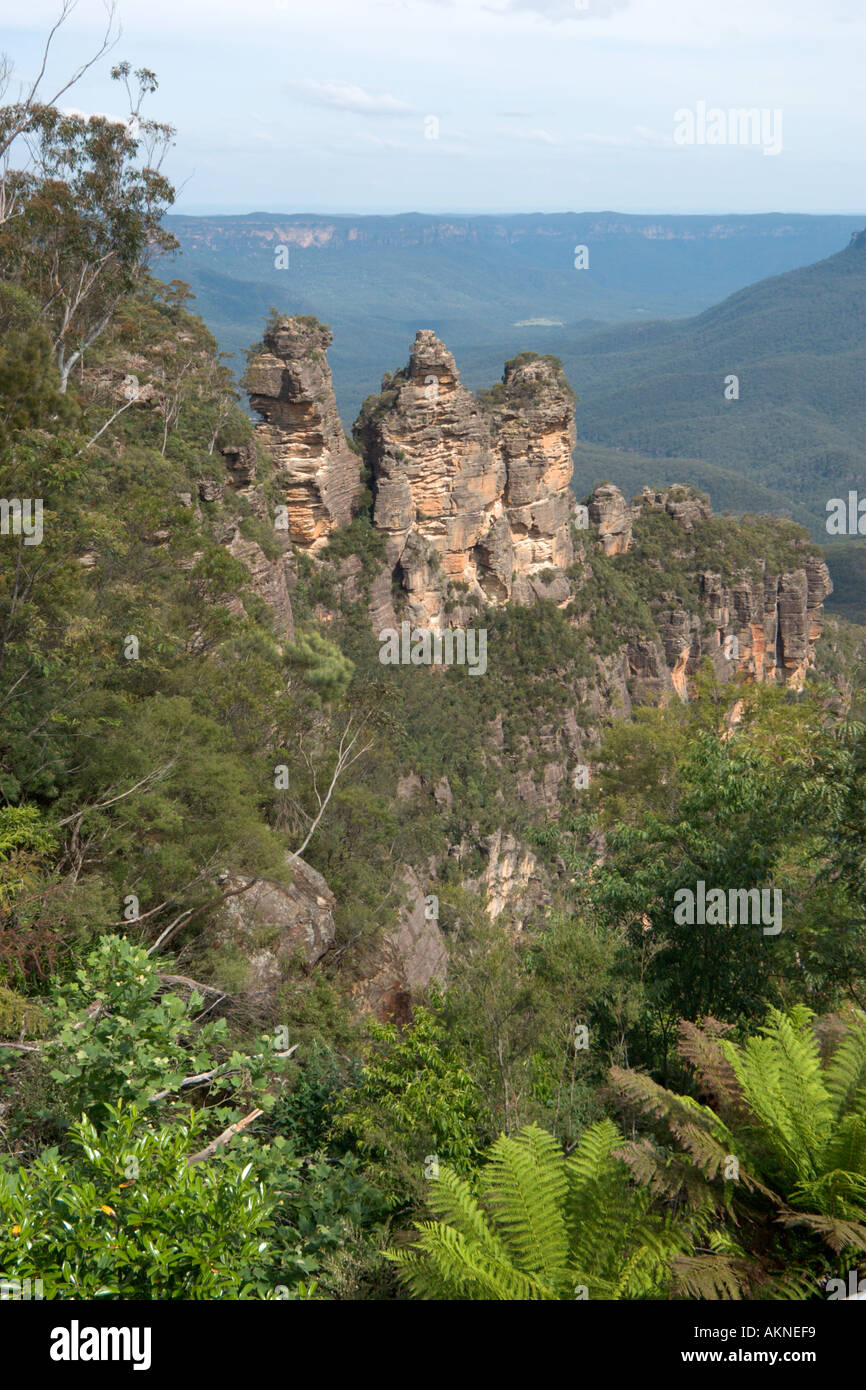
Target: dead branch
189	914
101	805
227	1134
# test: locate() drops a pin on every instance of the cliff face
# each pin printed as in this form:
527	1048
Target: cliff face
467	495
472	495
760	623
608	511
472	505
290	387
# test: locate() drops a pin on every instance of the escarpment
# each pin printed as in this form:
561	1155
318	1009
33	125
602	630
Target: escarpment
759	621
471	498
462	515
290	386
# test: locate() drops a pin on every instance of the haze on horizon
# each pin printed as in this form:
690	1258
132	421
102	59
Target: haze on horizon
475	106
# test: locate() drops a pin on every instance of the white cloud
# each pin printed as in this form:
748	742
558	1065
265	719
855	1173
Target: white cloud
537	137
348	96
571	9
88	115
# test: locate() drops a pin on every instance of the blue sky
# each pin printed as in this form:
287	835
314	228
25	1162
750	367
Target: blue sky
535	105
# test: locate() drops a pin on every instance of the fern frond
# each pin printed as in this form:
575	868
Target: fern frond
838	1234
845	1077
697	1128
714	1070
445	1265
526	1188
709	1276
846	1148
780	1075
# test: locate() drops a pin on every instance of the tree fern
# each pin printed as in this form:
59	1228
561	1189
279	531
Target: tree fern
544	1226
796	1126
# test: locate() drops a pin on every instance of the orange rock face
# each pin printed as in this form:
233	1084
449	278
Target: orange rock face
468	492
291	388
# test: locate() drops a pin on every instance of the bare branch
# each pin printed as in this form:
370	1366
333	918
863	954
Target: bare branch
204	1076
190	913
101	805
345	758
32	98
223	1138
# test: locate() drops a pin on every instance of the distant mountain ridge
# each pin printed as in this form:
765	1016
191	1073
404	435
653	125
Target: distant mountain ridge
796	344
490	285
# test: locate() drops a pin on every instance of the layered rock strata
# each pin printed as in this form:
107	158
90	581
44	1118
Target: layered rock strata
472	497
316	472
755	623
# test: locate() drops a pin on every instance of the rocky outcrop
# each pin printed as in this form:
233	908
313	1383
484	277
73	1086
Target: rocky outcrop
511	879
472	495
474	502
682	503
408	960
242	466
276	928
766	625
536	435
272	580
608	511
316	472
754	623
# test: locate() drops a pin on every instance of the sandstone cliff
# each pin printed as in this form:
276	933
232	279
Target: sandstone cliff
758	622
472	497
316	472
471	508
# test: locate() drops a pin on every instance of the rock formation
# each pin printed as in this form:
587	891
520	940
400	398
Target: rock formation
316	472
682	503
473	498
754	623
470	494
274	577
774	619
407	960
275	927
608	511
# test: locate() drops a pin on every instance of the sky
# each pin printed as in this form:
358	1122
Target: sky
473	106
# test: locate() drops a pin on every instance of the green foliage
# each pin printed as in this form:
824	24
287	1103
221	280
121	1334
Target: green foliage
138	793
791	1117
124	1215
685	797
414	1102
326	670
117	1039
326	1212
537	1225
89	207
513	1008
